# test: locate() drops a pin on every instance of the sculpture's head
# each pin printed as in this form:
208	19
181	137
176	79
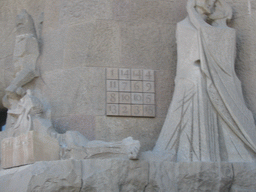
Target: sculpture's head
25	23
205	6
222	11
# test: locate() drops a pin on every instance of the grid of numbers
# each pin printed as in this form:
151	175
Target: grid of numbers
130	92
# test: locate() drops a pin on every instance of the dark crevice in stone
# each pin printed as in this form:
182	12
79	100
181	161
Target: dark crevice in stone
3	117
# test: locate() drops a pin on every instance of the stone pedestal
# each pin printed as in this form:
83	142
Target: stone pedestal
28	148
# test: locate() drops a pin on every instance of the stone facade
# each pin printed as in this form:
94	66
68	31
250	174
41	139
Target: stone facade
77	42
79	39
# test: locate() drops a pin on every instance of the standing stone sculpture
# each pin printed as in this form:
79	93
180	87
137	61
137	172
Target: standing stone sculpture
26	52
207	119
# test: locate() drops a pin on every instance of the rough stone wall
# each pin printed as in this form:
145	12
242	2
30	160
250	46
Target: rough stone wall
80	38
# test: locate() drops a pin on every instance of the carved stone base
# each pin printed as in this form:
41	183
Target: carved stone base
118	175
28	148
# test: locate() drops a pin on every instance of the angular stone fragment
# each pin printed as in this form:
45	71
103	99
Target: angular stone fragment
28	148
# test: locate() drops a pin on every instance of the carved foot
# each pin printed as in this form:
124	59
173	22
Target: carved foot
132	148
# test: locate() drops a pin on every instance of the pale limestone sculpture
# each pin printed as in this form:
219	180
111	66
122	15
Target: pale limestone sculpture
26	52
75	146
28	115
32	138
207	119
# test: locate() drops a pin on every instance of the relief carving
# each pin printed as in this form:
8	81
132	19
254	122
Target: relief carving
207	119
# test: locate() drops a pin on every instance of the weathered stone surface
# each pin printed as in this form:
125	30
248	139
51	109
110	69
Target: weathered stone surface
28	148
53	50
123	175
73	91
116	129
168	176
141	47
126	148
144	10
43	176
244	177
75	146
114	175
51	15
85	124
78	11
72	145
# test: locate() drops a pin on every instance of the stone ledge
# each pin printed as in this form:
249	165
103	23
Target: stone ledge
124	175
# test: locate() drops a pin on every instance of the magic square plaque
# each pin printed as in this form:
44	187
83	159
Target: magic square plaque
130	92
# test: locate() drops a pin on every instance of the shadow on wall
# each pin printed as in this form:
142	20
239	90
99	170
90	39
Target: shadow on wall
3	117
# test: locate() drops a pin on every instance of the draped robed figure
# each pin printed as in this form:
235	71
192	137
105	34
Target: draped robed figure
207	119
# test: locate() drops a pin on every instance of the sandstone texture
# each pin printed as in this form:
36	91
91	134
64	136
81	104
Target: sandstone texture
79	39
116	175
28	148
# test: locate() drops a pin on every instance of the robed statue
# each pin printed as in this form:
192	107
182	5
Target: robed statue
207	119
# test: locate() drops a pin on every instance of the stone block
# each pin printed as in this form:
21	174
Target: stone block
93	44
53	51
73	91
124	175
244	177
144	45
78	40
28	148
43	176
116	174
51	15
85	124
146	130
104	48
77	11
144	10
